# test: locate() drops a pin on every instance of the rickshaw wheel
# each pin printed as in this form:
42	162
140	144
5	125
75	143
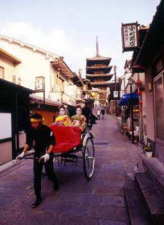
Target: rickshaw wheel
89	159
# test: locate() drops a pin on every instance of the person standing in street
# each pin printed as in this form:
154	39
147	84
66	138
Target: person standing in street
103	113
98	114
87	112
41	138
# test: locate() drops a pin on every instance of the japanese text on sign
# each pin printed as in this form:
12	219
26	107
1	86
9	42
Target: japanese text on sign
129	32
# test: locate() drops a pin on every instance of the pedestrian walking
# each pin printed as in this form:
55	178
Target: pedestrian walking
90	117
98	114
103	113
41	138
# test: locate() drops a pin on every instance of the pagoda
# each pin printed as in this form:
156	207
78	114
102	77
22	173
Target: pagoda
98	71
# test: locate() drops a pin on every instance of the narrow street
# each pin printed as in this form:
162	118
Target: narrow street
78	202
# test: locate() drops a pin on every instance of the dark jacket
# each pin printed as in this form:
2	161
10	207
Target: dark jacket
40	139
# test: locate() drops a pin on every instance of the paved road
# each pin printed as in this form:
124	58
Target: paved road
78	202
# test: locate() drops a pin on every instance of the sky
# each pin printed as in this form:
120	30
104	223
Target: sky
69	27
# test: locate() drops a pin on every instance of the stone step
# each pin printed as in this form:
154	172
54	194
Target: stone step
137	211
153	196
154	167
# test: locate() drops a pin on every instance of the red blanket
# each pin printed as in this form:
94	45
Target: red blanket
66	138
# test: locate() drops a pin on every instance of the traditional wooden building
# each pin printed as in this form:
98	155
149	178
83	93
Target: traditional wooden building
19	64
14	118
98	72
149	61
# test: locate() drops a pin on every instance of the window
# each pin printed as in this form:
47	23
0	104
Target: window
39	83
2	72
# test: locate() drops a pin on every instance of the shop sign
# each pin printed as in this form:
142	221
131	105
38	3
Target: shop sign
129	36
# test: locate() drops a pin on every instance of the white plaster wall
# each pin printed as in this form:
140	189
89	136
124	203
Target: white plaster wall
9	68
70	92
33	63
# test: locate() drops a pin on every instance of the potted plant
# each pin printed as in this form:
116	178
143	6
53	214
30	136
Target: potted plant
148	150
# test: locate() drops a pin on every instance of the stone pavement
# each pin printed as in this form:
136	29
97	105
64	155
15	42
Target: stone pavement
78	202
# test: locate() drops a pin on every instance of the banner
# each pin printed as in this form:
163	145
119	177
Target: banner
129	36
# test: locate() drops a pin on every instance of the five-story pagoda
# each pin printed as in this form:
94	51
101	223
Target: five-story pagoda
98	72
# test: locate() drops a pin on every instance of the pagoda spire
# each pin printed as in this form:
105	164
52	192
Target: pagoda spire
97	47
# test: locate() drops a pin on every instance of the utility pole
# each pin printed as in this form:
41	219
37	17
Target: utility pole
132	119
131	109
115	75
115	88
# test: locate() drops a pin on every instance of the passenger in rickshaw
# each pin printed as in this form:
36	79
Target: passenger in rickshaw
62	119
68	131
79	120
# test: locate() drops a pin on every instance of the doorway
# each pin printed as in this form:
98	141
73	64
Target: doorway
159	114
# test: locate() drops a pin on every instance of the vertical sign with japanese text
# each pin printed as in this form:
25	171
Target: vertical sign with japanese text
129	36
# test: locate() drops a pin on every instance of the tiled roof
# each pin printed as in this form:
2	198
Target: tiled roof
30	46
97	58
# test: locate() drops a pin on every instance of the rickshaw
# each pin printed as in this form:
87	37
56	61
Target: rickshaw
72	145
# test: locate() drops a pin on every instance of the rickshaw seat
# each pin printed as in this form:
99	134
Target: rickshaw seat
66	138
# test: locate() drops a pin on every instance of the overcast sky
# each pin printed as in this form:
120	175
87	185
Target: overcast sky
69	27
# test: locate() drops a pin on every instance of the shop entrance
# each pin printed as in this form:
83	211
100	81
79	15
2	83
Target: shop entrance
159	114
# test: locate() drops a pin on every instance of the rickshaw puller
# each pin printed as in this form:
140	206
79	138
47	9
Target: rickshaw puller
41	138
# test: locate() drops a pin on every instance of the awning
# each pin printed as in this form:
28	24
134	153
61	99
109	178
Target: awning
61	66
10	57
129	99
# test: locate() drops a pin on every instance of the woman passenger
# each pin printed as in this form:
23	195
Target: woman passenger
62	119
79	120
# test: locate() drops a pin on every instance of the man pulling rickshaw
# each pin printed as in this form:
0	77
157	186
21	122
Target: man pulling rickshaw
61	140
41	138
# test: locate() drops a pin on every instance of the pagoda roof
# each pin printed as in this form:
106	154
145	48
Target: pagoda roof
97	68
98	75
99	58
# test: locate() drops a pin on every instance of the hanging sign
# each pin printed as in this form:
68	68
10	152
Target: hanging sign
129	36
115	94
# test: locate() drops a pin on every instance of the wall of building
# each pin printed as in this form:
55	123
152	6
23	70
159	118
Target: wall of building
33	63
124	84
56	85
5	152
148	106
9	68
